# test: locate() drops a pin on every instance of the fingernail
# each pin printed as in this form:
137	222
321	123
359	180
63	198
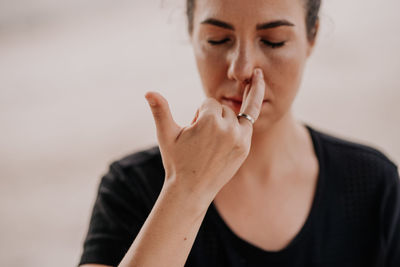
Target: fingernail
150	101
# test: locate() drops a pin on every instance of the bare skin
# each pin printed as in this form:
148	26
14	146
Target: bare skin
271	165
194	175
275	206
274	187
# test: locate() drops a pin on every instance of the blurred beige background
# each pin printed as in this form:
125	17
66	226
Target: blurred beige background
72	80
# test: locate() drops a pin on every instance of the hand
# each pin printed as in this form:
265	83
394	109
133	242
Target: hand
205	155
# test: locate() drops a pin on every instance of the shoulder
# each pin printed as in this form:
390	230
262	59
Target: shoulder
138	173
353	159
144	158
126	195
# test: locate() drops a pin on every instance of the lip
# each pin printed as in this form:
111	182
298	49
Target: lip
236	99
239	100
235	105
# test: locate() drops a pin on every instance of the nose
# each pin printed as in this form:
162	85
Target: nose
242	62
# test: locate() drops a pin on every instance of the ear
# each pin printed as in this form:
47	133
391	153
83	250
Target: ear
313	41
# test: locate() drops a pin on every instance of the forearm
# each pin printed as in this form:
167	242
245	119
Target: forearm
168	234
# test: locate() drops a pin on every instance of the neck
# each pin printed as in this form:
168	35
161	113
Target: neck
274	150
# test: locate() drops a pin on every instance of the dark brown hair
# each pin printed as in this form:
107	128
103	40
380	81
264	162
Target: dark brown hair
311	6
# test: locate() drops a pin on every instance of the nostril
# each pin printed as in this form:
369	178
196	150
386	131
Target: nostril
246	81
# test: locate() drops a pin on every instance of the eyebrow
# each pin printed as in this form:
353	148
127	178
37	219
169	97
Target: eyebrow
262	26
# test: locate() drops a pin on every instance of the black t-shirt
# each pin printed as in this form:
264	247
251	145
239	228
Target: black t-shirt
354	219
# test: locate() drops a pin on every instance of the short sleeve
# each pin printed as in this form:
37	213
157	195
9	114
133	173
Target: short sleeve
124	200
390	221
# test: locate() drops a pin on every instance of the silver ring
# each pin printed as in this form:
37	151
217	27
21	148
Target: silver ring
248	117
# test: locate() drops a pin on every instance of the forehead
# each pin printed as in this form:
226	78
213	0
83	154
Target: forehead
249	12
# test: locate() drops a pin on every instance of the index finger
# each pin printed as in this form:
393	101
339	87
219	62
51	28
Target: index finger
254	95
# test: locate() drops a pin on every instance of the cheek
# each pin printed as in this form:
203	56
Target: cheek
283	73
212	69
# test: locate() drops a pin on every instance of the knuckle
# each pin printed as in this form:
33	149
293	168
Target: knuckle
205	104
229	112
157	112
212	116
225	131
232	131
212	100
240	143
240	147
236	138
209	102
209	118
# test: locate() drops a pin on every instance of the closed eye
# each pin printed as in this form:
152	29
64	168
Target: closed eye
268	43
218	42
272	45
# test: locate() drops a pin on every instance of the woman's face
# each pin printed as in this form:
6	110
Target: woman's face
232	37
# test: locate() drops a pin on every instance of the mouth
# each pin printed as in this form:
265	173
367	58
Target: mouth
236	103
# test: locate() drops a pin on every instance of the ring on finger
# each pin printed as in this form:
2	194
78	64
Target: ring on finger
246	116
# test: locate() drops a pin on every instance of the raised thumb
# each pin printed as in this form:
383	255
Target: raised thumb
167	129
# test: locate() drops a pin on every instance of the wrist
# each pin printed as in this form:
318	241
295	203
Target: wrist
193	198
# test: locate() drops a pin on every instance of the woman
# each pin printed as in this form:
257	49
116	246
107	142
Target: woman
246	184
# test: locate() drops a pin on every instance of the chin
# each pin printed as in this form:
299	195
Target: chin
266	120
